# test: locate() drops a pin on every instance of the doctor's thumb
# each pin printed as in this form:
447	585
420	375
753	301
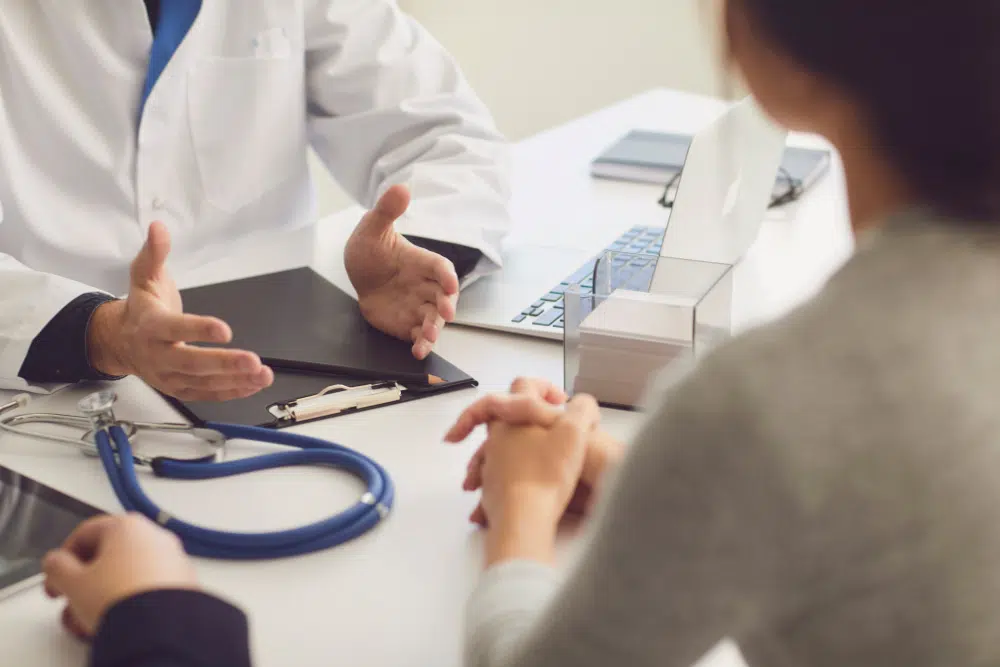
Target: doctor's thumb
153	255
391	205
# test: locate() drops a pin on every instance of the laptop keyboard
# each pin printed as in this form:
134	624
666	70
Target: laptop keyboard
629	273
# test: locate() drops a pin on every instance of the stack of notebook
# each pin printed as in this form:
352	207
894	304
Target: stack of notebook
629	338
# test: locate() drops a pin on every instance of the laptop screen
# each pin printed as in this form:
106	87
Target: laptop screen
725	187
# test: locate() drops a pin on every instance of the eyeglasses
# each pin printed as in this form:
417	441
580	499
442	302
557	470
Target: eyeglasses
791	190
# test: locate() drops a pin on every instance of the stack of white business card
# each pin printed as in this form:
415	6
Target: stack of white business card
627	339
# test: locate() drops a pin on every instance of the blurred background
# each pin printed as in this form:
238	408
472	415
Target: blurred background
538	63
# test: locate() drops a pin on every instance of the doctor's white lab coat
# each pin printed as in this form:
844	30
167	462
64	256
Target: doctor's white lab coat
220	149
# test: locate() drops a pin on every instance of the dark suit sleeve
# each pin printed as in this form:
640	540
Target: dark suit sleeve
462	257
59	352
172	628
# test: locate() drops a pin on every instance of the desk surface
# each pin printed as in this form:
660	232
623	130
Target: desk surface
396	596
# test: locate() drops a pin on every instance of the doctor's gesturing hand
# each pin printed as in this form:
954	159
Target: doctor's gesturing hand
404	290
149	335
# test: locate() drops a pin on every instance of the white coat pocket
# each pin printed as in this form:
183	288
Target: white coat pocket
248	124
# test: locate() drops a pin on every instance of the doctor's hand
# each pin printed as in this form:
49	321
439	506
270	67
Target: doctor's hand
149	335
110	559
404	290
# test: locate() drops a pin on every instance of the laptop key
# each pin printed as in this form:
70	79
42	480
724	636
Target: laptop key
549	318
552	296
538	304
519	318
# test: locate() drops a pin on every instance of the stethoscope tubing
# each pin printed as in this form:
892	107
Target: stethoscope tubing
207	543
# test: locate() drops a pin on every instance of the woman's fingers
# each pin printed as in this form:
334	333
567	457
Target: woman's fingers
582	412
474	471
544	389
516	410
478	516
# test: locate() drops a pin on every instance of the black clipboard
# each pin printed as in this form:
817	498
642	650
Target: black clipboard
316	331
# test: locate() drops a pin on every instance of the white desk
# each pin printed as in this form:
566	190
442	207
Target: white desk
395	597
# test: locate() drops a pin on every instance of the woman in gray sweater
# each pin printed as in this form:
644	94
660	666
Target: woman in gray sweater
825	491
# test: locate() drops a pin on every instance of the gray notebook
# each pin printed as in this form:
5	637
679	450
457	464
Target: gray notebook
656	157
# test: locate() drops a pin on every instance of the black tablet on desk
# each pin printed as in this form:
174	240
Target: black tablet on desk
34	519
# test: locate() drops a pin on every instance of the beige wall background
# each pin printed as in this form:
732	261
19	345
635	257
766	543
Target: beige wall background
538	63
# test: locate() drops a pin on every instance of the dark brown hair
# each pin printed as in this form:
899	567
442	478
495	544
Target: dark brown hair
927	76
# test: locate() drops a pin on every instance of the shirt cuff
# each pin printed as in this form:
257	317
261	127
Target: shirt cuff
503	609
59	352
463	258
189	627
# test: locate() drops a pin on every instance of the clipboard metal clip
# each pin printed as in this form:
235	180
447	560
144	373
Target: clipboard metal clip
336	399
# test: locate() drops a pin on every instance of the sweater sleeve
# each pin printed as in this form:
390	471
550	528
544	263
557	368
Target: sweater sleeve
685	552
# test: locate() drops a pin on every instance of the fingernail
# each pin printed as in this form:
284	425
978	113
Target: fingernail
221	333
248	364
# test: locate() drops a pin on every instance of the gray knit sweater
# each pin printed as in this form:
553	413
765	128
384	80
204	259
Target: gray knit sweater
825	490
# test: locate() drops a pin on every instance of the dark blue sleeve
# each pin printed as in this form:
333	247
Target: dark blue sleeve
172	628
462	257
59	352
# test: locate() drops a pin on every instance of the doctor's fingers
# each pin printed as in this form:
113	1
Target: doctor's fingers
191	360
425	334
184	328
219	387
441	271
188	394
432	293
152	255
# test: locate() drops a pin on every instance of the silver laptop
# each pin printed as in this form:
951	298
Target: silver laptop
721	201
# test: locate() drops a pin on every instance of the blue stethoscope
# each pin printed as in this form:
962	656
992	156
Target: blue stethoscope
109	438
